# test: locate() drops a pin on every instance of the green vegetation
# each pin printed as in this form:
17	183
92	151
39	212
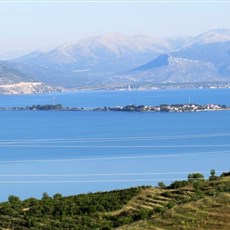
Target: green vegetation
195	203
45	107
85	211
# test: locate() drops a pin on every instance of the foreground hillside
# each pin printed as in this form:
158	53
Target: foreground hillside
190	204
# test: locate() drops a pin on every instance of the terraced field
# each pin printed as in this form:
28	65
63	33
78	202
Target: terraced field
187	205
184	208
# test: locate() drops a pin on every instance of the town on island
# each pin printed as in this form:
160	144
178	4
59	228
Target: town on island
128	108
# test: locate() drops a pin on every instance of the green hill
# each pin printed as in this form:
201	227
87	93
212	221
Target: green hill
195	203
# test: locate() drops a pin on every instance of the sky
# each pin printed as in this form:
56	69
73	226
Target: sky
31	25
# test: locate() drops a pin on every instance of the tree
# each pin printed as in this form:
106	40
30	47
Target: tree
178	184
57	196
212	172
197	180
193	177
161	184
14	199
213	175
15	202
45	196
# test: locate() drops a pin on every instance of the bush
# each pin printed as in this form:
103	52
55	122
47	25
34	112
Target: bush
178	184
199	185
224	174
161	184
193	177
159	209
171	204
142	214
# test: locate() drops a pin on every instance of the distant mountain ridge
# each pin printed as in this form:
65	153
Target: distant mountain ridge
115	59
205	58
211	36
93	59
169	69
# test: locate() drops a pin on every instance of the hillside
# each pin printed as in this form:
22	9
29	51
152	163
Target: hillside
13	81
169	69
195	203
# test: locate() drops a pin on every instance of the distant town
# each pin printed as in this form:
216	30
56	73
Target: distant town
165	86
191	107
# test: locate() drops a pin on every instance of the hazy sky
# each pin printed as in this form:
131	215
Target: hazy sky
26	26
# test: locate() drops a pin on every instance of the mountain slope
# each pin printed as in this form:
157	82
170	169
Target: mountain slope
93	57
212	46
169	69
9	76
211	36
14	82
204	58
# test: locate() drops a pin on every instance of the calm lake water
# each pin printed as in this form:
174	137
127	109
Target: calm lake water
78	152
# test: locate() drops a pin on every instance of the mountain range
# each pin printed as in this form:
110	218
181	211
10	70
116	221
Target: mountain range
205	58
115	60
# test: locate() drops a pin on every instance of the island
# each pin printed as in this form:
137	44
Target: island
128	108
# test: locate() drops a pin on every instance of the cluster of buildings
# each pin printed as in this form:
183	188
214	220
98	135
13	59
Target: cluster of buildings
167	108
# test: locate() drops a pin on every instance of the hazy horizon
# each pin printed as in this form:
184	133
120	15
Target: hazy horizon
35	25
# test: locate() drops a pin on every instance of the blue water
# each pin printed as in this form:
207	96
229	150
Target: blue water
116	98
78	152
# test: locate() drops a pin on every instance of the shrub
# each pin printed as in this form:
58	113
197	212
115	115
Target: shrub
178	184
224	174
161	184
195	177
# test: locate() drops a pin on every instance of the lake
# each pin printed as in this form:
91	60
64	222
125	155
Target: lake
79	152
